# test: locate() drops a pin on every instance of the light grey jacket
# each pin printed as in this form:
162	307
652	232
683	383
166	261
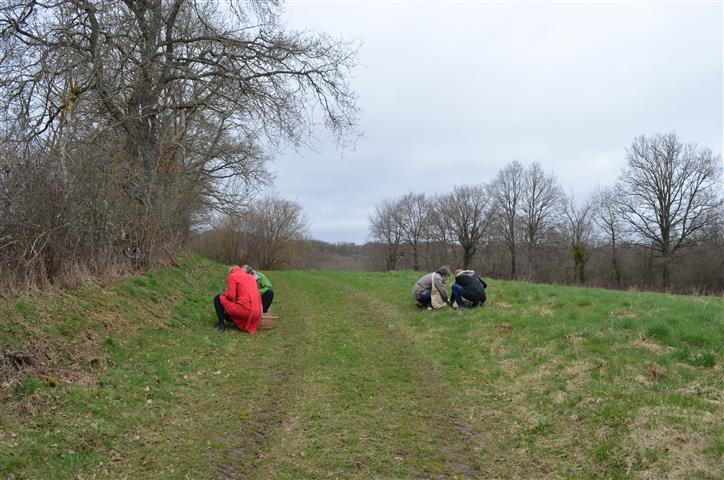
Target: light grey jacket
425	283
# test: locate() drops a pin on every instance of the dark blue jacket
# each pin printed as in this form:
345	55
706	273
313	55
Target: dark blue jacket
473	286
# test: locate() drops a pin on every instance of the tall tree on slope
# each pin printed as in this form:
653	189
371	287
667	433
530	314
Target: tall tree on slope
200	89
668	193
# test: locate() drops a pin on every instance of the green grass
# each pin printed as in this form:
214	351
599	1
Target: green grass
130	380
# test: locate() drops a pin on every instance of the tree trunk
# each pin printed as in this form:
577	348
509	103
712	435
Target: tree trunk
581	271
530	262
666	255
391	260
665	271
467	257
512	262
579	263
615	265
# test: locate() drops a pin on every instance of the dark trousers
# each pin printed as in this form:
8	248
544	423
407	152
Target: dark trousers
266	300
425	298
220	312
459	294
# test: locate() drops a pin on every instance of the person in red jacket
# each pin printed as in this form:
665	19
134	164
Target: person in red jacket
240	303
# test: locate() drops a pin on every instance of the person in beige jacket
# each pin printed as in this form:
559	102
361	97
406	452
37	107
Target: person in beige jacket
424	294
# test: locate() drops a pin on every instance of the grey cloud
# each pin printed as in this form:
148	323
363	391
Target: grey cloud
450	94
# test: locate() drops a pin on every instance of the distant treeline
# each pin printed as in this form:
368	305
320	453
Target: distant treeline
660	226
698	272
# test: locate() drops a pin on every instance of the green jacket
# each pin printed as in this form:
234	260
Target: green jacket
262	282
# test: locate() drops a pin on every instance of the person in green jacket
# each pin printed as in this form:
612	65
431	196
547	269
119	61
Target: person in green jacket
265	288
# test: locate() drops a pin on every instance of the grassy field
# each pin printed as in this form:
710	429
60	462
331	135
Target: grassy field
130	380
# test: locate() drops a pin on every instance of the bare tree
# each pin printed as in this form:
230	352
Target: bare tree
668	192
580	233
414	209
467	209
607	216
265	234
270	230
541	204
190	94
506	192
385	226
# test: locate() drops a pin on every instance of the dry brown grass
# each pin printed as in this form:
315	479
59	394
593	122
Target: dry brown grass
499	304
707	393
54	360
59	354
642	343
624	314
669	443
504	328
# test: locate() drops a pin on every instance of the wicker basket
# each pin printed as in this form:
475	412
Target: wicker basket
267	321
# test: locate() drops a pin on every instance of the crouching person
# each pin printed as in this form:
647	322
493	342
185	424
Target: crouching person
265	288
468	289
240	303
429	291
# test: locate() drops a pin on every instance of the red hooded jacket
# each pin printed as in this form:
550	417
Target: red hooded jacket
242	301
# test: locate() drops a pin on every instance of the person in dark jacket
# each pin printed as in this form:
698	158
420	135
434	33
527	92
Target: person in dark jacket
468	288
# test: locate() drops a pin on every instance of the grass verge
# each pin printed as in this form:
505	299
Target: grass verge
130	380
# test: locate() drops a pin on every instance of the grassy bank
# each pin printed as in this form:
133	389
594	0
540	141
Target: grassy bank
130	380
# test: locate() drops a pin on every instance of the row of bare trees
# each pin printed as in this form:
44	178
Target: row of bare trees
664	210
122	122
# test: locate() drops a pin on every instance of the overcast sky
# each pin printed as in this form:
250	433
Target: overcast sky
450	92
